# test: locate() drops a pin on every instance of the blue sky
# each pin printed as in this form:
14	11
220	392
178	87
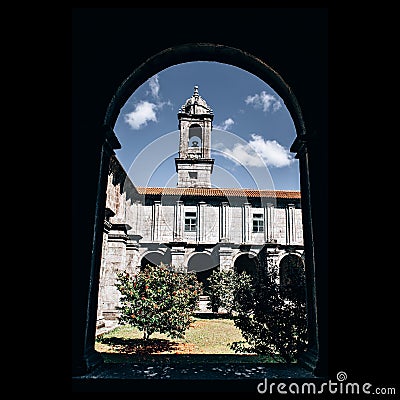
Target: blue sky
251	137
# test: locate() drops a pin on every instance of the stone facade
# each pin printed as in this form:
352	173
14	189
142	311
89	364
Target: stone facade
193	226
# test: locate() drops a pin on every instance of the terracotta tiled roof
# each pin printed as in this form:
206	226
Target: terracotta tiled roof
219	192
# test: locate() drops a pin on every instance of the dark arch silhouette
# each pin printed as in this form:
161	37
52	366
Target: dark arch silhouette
96	74
291	276
290	266
155	258
203	264
204	52
246	263
195	135
195	130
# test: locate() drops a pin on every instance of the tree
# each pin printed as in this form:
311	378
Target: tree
272	318
225	287
158	299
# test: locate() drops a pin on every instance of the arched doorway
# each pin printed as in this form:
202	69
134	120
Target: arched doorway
291	276
154	258
246	263
203	264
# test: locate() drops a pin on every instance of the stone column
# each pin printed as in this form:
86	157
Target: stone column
225	257
290	224
132	254
224	222
206	130
107	226
178	257
246	222
178	221
116	261
184	138
269	212
156	222
201	222
315	256
137	215
87	252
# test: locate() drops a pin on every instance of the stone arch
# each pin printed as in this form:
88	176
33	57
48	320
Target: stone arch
155	258
284	253
246	262
195	135
291	272
203	264
204	52
85	356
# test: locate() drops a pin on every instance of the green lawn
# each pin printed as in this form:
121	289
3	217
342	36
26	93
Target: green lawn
207	340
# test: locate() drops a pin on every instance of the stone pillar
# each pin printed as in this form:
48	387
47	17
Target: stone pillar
225	257
178	221
132	254
224	222
290	224
201	222
116	261
269	212
206	130
137	215
315	256
178	257
100	323
246	222
87	251
184	138
156	222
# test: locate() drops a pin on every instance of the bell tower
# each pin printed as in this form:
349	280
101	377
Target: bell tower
194	164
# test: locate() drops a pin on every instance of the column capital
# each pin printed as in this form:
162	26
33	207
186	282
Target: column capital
121	227
226	247
174	246
135	238
107	226
299	146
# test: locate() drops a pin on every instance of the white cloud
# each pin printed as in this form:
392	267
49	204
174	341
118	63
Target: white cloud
154	86
143	113
258	153
226	124
265	101
161	104
146	111
273	153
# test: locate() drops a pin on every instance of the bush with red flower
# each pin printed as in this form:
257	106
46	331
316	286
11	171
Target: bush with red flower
158	299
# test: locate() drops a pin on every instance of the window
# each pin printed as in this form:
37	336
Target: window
258	223
190	221
193	175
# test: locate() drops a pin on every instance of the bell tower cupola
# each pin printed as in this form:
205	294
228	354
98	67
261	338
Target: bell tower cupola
194	164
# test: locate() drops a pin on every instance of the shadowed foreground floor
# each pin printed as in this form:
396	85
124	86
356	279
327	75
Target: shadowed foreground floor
180	376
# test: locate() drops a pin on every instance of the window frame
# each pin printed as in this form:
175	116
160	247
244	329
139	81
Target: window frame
259	219
190	224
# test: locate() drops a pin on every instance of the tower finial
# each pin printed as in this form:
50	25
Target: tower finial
196	91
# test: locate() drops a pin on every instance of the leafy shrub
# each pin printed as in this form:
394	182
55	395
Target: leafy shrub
158	299
224	289
272	318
